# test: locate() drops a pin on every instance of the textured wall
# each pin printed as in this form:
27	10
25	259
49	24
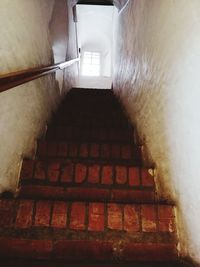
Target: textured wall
157	78
25	42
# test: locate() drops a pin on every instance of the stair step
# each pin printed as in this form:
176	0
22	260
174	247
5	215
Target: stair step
78	231
87	220
70	133
70	180
90	108
91	116
86	194
80	251
62	263
104	121
86	173
108	151
85	198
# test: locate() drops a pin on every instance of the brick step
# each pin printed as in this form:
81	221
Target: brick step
90	134
64	220
88	174
84	251
108	151
62	263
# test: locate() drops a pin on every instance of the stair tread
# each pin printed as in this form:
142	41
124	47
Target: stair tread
86	173
108	220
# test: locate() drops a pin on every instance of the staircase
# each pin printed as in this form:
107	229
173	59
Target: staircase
86	199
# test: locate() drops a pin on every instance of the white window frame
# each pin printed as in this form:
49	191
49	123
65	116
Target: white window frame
87	69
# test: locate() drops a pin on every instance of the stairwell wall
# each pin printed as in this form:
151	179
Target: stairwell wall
28	39
157	79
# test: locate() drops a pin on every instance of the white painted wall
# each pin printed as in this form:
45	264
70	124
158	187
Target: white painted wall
25	42
95	33
64	48
158	80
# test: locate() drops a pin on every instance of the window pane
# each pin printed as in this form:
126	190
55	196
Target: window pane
87	60
96	60
91	64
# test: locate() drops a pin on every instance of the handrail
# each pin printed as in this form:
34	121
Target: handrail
10	80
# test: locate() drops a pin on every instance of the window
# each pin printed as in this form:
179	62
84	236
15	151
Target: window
91	64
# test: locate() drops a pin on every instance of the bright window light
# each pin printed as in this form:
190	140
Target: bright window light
91	64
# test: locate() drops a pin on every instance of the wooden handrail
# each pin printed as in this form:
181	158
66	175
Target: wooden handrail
10	80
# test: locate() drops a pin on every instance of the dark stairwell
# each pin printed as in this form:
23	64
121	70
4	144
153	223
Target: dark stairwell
86	199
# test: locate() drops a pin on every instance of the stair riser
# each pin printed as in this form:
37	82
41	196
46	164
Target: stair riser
89	134
79	251
88	150
86	194
62	263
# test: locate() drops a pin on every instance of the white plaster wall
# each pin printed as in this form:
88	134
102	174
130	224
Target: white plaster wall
25	42
71	73
64	48
157	78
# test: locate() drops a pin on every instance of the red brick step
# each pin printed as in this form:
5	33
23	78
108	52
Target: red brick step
88	173
85	198
86	181
133	220
89	150
89	134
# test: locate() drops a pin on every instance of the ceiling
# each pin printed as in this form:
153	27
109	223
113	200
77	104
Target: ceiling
95	2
